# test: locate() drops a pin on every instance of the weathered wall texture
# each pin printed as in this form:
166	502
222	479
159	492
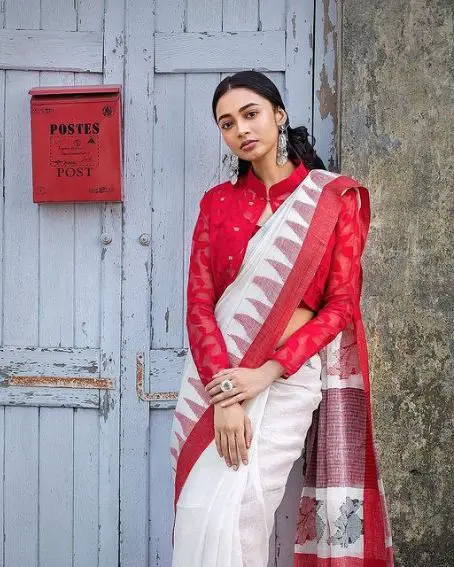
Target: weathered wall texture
397	131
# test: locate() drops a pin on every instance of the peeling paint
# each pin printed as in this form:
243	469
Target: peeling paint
328	26
327	96
166	317
107	404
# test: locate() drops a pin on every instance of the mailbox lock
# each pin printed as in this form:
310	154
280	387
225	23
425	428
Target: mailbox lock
145	239
106	238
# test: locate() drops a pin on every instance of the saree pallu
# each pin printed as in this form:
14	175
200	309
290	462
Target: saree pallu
343	519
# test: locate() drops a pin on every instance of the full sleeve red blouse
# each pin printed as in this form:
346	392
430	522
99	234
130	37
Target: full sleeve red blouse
227	219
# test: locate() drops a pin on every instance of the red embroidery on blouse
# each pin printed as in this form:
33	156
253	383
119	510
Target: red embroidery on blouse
227	220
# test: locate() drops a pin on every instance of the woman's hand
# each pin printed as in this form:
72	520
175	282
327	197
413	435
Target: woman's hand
247	382
232	434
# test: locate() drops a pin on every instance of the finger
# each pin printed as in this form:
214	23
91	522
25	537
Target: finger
220	376
235	400
247	431
225	449
233	451
223	396
224	372
241	446
215	390
213	385
217	439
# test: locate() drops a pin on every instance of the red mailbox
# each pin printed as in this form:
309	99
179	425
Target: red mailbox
76	143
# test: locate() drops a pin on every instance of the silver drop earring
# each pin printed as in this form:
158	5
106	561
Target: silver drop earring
282	152
234	166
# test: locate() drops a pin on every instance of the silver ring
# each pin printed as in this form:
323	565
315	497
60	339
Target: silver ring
226	385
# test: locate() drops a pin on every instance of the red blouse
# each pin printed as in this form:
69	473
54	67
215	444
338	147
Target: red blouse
227	219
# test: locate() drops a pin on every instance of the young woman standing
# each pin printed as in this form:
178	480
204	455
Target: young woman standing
278	357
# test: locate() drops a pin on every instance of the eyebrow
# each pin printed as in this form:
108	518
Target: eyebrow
241	109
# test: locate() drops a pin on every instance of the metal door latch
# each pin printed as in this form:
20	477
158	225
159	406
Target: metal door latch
159	400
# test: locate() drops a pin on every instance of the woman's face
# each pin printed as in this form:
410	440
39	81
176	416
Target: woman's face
243	115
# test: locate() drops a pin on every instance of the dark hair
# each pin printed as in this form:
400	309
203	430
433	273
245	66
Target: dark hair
299	147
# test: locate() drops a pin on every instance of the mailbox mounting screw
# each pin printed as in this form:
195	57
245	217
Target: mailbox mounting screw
106	238
145	239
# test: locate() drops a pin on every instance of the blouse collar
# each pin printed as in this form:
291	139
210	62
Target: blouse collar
286	185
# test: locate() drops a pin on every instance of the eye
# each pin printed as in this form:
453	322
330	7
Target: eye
225	124
254	112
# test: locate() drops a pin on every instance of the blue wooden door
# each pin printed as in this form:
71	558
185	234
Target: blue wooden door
60	328
177	52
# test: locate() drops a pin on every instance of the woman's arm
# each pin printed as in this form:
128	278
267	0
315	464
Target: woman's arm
205	338
341	291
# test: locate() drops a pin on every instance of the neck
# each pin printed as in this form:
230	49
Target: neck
269	172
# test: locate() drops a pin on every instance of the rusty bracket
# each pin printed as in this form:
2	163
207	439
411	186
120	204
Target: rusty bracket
159	400
60	382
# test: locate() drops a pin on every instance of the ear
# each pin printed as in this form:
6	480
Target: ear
281	116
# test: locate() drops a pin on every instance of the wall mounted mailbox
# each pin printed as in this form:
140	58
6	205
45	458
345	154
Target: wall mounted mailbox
76	143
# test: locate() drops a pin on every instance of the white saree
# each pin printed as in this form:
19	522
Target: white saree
224	518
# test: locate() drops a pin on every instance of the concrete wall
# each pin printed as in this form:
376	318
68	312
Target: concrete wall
397	123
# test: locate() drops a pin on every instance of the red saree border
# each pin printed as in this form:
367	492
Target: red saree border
309	258
308	560
321	226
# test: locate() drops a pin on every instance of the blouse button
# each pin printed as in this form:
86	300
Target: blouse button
222	198
236	228
230	257
251	202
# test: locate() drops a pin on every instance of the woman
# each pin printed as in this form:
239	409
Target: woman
278	358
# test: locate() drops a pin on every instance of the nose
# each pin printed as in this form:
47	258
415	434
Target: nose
243	128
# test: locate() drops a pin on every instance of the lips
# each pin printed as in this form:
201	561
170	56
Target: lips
246	142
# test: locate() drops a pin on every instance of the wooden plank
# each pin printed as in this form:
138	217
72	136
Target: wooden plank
2	196
56	250
43	50
21	486
203	16
2	484
20	252
272	15
240	15
49	397
87	271
86	488
138	135
22	14
299	54
56	226
171	16
166	368
90	16
56	487
167	229
111	324
59	16
203	52
326	85
201	162
49	361
88	218
160	482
